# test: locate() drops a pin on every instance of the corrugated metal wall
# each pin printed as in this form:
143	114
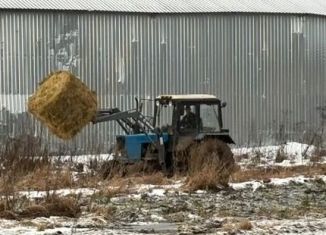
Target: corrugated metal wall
270	69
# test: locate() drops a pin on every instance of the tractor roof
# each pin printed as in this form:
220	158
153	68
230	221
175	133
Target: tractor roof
189	97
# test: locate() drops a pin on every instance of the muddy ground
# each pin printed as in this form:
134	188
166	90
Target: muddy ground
262	198
293	208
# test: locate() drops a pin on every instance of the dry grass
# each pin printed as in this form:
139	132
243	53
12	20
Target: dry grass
44	226
2	206
277	172
62	206
87	181
51	206
157	178
54	206
210	166
205	180
118	185
110	169
245	224
114	169
17	158
240	157
26	167
107	212
44	178
316	158
34	211
47	178
9	215
112	191
280	155
235	224
257	158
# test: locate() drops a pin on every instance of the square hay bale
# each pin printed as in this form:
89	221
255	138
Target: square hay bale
63	103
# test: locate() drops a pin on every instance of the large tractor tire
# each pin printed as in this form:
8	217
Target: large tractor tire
210	165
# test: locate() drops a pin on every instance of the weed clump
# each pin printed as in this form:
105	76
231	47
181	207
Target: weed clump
62	206
280	155
210	165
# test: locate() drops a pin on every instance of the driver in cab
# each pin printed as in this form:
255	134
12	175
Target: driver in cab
188	121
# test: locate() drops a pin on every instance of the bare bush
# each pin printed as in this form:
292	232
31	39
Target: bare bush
110	169
280	155
34	211
210	166
18	157
256	159
245	224
107	212
239	158
21	155
234	225
155	179
9	215
62	206
49	206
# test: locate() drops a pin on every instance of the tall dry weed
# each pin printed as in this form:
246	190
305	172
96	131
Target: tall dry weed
21	155
210	166
18	157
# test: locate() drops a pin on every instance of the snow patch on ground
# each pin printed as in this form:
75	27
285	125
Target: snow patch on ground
83	159
85	192
253	184
295	153
158	192
150	190
276	181
304	226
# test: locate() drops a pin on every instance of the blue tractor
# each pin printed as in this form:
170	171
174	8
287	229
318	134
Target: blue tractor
178	122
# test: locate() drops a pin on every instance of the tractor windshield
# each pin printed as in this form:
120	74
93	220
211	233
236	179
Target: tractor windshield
209	117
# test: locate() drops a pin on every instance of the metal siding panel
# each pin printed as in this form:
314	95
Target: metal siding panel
175	6
270	69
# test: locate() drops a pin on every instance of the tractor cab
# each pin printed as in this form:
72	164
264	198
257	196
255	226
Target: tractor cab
195	115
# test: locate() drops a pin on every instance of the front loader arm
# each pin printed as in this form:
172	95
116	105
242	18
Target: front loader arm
114	115
131	121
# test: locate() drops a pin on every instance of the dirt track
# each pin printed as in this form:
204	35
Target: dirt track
297	208
156	205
